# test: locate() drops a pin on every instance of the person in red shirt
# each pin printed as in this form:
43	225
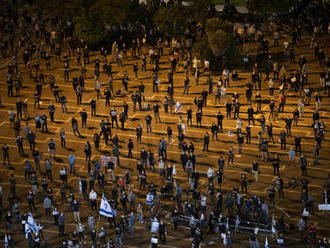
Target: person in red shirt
312	234
281	98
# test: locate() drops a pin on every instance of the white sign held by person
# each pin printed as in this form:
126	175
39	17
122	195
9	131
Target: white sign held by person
154	226
324	207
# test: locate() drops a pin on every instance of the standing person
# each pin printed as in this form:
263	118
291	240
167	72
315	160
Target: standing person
119	239
219	121
51	109
113	115
5	155
148	120
88	151
231	156
93	107
156	112
51	148
240	141
162	232
255	170
36	158
131	222
303	165
248	134
62	135
250	114
72	161
61	224
279	186
283	140
63	102
92	199
83	115
229	109
130	147
11	117
48	166
98	88
74	124
206	142
276	165
75	208
214	130
292	156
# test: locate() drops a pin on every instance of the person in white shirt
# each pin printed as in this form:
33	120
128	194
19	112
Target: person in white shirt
92	199
210	174
161	166
238	124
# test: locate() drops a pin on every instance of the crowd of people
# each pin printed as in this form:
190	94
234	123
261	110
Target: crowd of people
35	50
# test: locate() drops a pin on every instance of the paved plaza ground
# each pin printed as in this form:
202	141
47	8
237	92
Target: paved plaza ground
289	207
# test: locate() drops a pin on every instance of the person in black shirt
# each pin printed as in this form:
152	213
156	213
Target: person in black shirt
276	165
74	123
148	119
229	109
51	109
219	121
288	124
237	106
250	114
130	147
189	116
295	117
93	107
199	118
204	97
139	134
206	142
19	141
248	134
5	154
83	115
214	130
270	132
96	139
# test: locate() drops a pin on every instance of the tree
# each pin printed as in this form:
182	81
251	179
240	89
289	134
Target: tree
171	20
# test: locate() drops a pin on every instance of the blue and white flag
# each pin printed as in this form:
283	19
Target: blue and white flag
266	243
178	106
106	209
27	231
237	222
32	224
273	225
150	199
80	186
6	241
227	224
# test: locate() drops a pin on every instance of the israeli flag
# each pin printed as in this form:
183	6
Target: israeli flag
178	106
237	222
6	241
266	243
106	209
32	224
273	225
80	186
150	199
227	224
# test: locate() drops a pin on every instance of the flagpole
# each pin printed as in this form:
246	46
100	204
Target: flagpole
98	223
